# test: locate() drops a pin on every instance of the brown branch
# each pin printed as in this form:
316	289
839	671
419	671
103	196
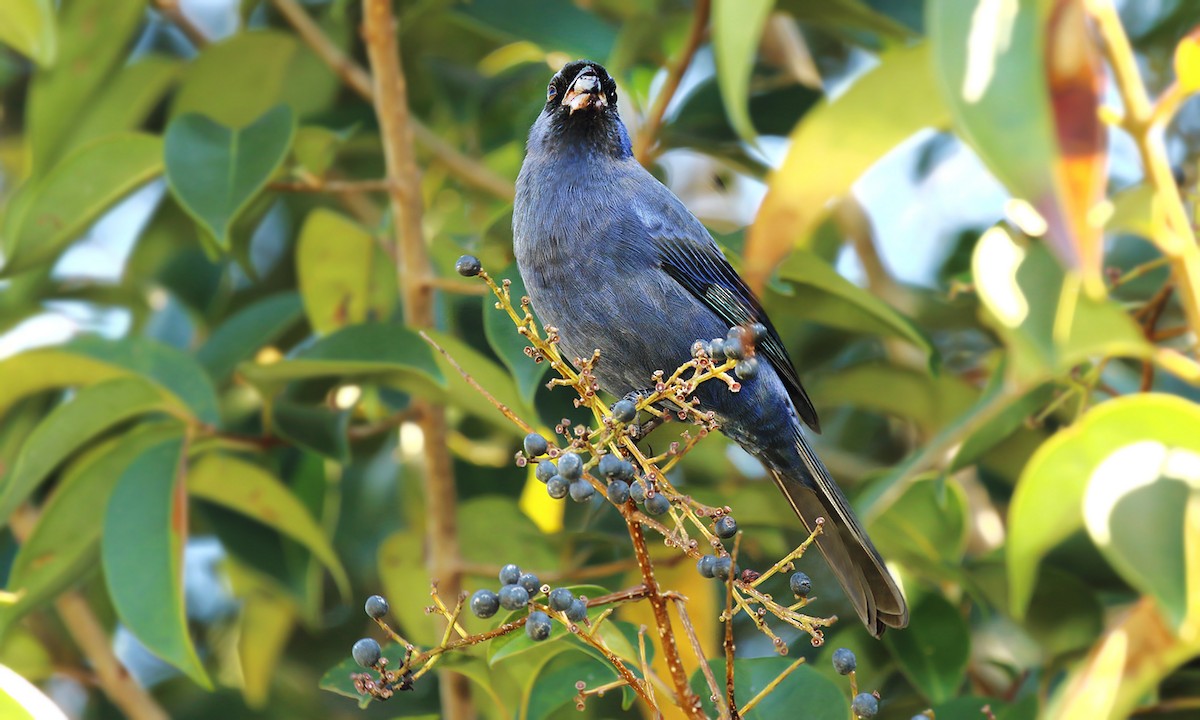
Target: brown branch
90	636
690	630
331	186
404	194
170	10
359	80
728	642
645	147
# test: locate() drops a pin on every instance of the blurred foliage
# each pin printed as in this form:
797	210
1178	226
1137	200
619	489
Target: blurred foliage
218	460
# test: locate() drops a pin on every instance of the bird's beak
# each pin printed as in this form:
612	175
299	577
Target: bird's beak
585	91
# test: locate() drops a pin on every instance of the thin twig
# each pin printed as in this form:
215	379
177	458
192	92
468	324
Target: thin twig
647	138
718	697
728	641
504	409
170	10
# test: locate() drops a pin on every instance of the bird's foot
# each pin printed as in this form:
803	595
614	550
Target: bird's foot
640	431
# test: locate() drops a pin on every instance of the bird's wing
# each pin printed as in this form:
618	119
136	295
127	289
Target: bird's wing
700	267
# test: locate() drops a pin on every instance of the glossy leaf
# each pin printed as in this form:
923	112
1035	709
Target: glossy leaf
737	26
266	623
401	564
933	651
65	543
552	25
319	429
926	528
930	401
1017	409
247	330
214	171
62	205
555	684
510	345
843	137
1049	503
488	374
803	695
145	528
342	274
256	493
27	26
128	99
70	426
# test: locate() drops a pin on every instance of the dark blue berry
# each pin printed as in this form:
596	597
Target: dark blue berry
535	445
637	490
865	706
734	345
618	491
657	504
609	465
545	470
725	526
722	566
570	466
705	565
485	603
582	490
366	652
758	332
577	612
530	582
513	597
558	487
560	599
376	607
746	369
625	471
510	574
844	661
699	347
468	266
716	349
801	584
624	411
538	626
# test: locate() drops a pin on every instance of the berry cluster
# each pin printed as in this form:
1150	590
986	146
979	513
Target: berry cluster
368	654
517	590
569	474
738	345
864	705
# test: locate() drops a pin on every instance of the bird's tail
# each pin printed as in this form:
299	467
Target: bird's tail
854	560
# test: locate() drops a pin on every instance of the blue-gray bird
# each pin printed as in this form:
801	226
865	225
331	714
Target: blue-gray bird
617	263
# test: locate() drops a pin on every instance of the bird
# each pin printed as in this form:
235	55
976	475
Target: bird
616	262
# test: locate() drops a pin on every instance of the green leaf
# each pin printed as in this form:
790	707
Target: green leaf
316	428
265	625
846	17
93	40
1064	616
343	275
247	330
933	651
1017	408
510	345
803	695
27	26
931	401
826	297
239	79
145	528
926	528
489	375
61	205
737	26
551	24
337	678
843	137
127	99
406	585
215	171
69	426
389	353
65	543
555	684
256	493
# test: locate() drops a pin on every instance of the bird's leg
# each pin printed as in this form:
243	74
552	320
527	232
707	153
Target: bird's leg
638	431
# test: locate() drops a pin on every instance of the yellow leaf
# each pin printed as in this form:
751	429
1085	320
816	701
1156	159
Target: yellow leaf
1187	62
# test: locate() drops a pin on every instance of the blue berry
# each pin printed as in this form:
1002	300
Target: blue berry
484	603
844	661
705	565
625	471
725	526
530	582
577	612
513	597
558	487
366	652
657	504
582	491
746	369
624	411
376	607
510	574
560	599
637	491
722	566
801	584
570	466
758	332
538	626
618	491
545	470
609	465
468	266
734	346
716	349
865	705
535	445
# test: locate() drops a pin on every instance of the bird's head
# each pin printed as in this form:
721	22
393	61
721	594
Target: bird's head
581	112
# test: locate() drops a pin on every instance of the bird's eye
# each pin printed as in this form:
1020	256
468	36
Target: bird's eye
551	92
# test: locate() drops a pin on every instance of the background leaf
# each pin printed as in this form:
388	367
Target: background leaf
28	27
